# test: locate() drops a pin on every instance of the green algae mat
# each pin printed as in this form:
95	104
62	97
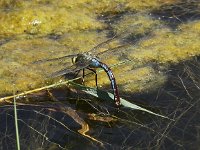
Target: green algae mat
154	58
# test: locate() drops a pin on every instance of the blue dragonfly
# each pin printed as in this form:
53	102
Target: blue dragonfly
90	60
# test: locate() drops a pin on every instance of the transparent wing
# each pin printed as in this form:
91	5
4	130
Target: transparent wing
53	59
64	71
94	50
122	49
102	44
115	50
71	69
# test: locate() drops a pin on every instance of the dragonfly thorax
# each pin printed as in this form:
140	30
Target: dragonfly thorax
83	59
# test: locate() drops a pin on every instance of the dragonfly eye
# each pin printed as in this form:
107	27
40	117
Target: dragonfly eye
74	60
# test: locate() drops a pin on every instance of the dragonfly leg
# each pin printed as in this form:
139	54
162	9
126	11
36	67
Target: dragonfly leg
94	71
76	74
83	76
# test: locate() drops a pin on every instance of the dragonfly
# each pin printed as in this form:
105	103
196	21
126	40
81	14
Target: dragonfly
90	60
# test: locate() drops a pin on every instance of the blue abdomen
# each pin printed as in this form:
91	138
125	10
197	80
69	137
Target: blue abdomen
95	63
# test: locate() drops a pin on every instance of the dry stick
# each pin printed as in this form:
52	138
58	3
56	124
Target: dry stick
4	99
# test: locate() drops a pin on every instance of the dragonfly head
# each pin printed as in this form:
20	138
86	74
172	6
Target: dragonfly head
74	59
78	58
82	59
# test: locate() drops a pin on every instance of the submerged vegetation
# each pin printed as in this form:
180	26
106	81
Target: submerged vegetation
156	34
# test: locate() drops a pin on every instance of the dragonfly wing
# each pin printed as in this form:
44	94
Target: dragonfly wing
94	50
53	59
121	49
72	69
63	72
102	44
113	51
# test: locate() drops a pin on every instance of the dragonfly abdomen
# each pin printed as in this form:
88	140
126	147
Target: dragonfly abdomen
97	64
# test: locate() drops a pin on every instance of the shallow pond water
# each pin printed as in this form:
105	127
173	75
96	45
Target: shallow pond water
161	43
